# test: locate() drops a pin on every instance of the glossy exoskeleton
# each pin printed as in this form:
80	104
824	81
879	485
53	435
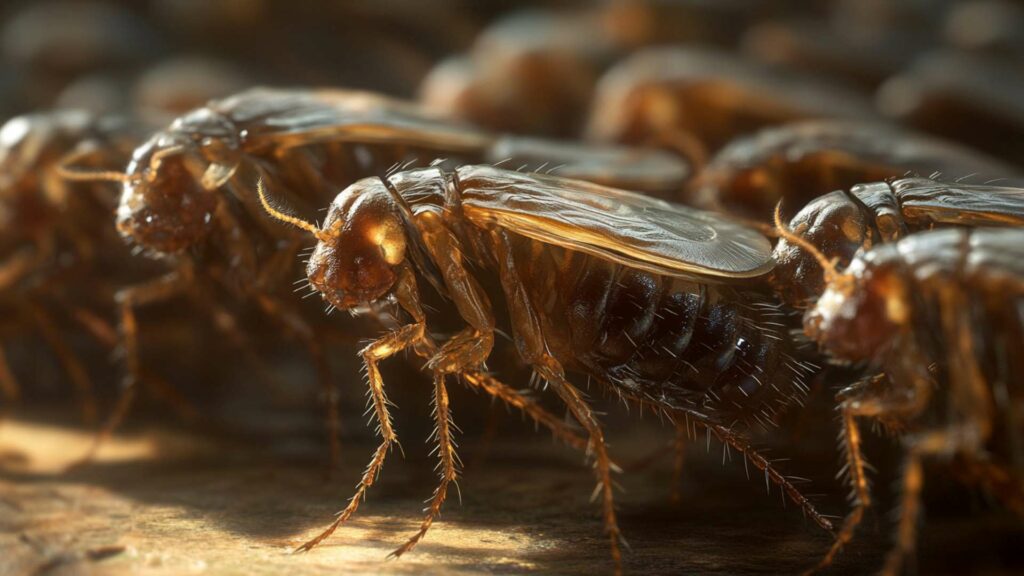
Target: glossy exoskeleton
838	224
940	315
796	163
659	303
60	257
188	193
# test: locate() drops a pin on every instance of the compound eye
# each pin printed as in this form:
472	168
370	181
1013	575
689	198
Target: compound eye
390	237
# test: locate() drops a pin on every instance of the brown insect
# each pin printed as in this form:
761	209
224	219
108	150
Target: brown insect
659	303
941	315
838	224
839	51
967	98
60	257
188	196
797	162
534	71
697	100
531	72
910	304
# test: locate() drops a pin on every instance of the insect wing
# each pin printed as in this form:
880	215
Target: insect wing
288	118
632	229
963	204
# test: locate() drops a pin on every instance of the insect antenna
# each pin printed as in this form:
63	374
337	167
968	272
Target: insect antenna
68	171
322	235
85	175
829	266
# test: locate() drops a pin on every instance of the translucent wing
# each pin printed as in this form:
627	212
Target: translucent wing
299	117
635	230
964	204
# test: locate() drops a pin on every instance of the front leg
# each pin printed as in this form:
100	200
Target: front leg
470	347
405	337
868	399
466	350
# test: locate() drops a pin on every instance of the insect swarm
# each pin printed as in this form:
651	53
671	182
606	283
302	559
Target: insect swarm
187	198
939	313
654	301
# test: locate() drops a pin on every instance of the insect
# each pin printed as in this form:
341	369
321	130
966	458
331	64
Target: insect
830	50
58	232
939	313
657	302
695	100
964	97
532	72
838	224
797	162
187	196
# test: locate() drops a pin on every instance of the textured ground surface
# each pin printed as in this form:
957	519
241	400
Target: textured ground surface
160	504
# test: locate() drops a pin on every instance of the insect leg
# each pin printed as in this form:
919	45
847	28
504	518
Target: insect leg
470	347
537	413
163	288
551	371
770	472
106	335
530	342
467	349
395	342
906	532
328	387
449	462
408	297
17	266
861	491
74	368
970	401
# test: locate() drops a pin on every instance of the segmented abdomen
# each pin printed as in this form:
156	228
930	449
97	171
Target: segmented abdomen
678	343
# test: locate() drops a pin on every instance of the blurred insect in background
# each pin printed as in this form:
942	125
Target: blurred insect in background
696	100
657	302
963	97
796	163
534	71
940	316
59	249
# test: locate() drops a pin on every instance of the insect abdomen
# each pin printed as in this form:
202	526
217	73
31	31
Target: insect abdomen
676	342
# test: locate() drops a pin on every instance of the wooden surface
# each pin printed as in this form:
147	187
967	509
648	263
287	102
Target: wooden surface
156	503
